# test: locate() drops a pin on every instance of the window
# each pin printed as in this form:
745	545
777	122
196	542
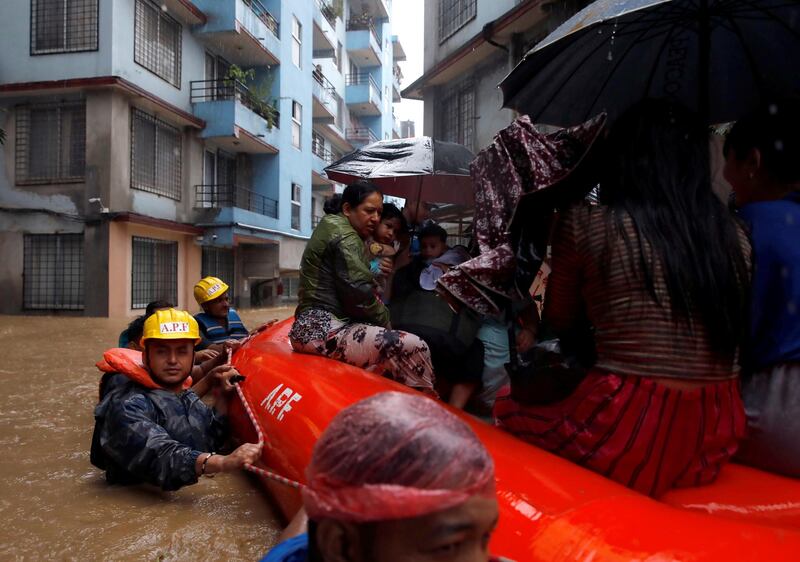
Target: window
455	14
297	42
53	272
157	42
218	262
297	124
155	156
154	271
63	26
50	143
296	193
458	115
339	55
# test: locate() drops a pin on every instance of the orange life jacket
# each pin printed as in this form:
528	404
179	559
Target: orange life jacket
129	363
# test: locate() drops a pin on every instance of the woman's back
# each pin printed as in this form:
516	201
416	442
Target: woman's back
597	272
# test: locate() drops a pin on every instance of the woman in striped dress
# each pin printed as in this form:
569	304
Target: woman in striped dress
661	270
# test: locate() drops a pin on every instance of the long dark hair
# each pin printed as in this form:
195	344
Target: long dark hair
354	194
657	171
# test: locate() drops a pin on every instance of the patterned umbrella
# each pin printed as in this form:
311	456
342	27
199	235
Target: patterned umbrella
719	57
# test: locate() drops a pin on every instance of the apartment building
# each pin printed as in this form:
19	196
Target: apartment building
150	143
470	46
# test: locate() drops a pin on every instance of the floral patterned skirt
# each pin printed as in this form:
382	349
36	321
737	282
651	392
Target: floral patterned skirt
397	355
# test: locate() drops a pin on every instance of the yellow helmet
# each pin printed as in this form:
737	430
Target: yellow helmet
208	289
171	324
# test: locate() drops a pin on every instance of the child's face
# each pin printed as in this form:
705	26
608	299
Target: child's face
431	247
387	231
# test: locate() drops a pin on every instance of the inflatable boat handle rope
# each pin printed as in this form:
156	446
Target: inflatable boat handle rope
261	441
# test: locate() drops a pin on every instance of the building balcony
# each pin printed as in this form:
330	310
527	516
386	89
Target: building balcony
324	37
242	31
220	196
323	95
398	53
185	11
363	42
374	8
235	118
360	136
363	96
322	156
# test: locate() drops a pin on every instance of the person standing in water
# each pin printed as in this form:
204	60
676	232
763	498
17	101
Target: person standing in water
761	153
218	321
394	477
150	427
339	314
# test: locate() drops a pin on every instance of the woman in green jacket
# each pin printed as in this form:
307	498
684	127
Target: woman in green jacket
339	314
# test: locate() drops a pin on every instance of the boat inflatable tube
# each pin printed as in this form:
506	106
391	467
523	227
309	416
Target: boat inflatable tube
550	509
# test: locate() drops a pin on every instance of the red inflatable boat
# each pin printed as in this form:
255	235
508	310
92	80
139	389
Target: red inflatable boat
550	509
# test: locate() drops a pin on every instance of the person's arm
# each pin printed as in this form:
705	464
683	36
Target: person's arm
355	284
563	298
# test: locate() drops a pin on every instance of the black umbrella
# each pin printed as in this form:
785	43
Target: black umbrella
719	57
420	169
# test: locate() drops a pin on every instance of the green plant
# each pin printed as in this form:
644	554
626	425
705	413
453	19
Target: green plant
259	92
337	6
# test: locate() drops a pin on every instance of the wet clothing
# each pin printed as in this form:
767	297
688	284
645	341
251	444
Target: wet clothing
635	430
290	550
394	354
772	406
212	331
634	335
152	435
775	324
335	275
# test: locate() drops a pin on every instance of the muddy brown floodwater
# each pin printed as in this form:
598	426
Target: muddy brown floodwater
55	505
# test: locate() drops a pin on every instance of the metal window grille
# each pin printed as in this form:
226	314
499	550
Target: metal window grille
154	272
157	42
218	262
50	143
296	207
63	26
458	115
155	155
455	14
53	272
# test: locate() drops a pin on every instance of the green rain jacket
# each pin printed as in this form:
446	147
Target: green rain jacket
335	275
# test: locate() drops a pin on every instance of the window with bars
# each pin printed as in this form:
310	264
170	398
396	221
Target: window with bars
63	26
155	155
297	124
53	272
458	115
218	262
296	206
297	42
50	143
157	42
154	271
455	14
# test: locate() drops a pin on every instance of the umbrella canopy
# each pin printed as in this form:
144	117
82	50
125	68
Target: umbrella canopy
718	57
420	169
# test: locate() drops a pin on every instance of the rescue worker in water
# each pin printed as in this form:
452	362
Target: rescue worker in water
218	321
149	425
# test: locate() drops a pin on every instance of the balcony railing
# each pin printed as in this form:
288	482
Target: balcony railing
315	220
364	23
327	90
216	90
318	148
263	14
327	10
217	196
361	78
361	134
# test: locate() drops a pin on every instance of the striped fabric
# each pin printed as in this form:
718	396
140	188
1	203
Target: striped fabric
634	334
634	430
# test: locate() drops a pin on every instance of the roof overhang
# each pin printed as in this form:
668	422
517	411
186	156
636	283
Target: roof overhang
142	97
185	11
172	226
477	49
397	49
